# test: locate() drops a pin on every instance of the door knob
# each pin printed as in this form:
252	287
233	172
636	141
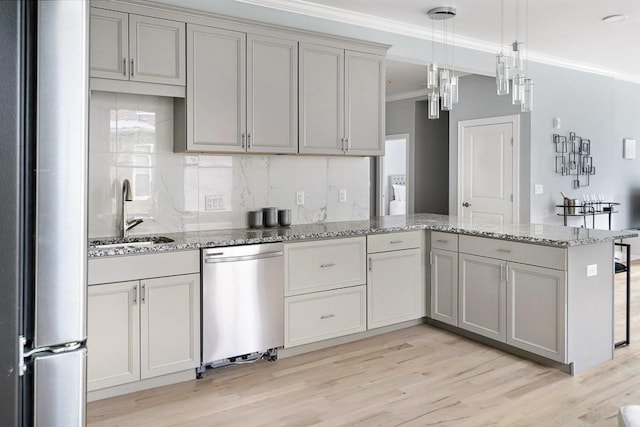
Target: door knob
466	204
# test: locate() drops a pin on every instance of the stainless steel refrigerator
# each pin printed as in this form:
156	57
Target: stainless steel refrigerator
43	231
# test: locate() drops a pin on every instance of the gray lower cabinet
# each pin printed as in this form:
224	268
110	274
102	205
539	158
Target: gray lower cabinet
444	286
536	310
482	296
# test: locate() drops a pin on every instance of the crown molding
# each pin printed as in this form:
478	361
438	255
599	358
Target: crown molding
303	7
418	93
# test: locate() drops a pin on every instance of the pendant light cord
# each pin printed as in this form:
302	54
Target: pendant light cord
501	26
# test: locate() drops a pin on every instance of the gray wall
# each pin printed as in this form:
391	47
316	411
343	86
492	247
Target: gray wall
478	100
431	161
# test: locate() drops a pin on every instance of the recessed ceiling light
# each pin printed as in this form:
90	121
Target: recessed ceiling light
614	18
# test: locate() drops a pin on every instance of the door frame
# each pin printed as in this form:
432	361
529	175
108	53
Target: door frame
408	171
515	167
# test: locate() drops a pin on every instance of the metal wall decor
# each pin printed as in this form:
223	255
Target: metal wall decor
573	158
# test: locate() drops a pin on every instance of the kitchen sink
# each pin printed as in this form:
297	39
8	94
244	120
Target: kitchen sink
129	242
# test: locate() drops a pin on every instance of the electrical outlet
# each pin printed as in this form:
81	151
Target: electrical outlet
213	203
300	198
592	270
539	189
343	195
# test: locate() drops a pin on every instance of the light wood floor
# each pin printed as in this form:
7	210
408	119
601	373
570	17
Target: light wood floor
415	377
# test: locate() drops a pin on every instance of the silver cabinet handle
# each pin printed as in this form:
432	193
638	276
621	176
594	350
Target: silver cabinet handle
342	144
430	257
131	67
395	242
143	296
466	204
370	264
331	264
442	241
124	66
327	316
135	295
249	141
501	272
348	144
506	251
243	137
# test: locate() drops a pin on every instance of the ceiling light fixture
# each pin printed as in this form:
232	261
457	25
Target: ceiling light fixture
513	67
442	83
614	18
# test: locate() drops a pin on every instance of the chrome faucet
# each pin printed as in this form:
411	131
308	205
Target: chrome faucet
126	197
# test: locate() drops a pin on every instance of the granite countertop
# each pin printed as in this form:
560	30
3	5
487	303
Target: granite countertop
542	234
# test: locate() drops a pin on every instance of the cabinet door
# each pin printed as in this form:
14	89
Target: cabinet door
156	50
364	104
536	310
109	49
482	296
444	286
216	84
169	324
321	99
272	95
393	287
113	339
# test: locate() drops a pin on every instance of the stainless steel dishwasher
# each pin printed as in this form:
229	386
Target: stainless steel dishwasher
242	302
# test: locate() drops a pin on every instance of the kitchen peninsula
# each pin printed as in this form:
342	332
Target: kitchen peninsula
544	292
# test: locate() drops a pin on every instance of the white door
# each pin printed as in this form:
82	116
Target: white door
488	169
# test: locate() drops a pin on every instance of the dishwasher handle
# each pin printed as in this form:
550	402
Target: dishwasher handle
217	258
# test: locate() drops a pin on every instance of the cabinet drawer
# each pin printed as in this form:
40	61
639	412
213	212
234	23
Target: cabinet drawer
324	265
446	241
324	315
543	256
394	241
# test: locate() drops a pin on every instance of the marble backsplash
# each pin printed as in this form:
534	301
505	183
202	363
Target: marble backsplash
131	137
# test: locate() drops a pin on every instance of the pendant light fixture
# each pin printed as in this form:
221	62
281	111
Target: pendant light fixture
442	83
514	68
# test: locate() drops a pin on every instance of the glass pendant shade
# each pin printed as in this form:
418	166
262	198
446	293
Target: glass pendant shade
502	77
433	105
517	89
516	66
454	89
444	80
432	76
447	99
527	96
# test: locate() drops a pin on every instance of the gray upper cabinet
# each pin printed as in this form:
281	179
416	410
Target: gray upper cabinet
364	104
321	100
136	48
216	117
341	101
241	93
272	95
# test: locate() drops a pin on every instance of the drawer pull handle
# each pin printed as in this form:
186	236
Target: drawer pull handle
331	264
442	241
506	251
327	316
395	242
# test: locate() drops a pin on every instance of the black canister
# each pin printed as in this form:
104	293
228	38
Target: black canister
255	219
284	217
270	217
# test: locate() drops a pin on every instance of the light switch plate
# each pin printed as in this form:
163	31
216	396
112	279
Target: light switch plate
300	198
592	270
343	195
539	189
